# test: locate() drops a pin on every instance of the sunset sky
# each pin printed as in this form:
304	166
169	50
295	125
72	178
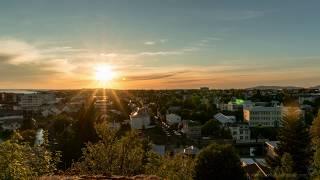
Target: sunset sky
152	44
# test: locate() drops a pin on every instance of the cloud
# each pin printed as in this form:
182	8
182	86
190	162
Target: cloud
154	76
17	52
163	40
161	53
149	43
197	46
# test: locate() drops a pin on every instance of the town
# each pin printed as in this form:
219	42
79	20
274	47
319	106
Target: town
173	121
159	90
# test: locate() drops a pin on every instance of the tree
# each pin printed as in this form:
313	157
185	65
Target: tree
315	134
218	162
316	164
22	161
285	170
213	128
86	124
294	139
113	154
177	167
315	130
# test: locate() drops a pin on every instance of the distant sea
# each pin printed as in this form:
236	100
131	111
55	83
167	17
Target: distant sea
16	91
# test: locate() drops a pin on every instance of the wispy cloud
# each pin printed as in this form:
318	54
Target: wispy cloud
154	42
17	52
163	40
196	46
149	43
154	76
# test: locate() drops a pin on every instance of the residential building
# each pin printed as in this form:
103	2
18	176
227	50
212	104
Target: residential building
140	118
254	166
191	129
191	150
308	98
240	132
173	119
224	120
12	122
271	147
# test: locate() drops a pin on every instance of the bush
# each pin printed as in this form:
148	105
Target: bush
218	162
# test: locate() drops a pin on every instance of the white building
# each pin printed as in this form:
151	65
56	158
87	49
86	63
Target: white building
140	119
240	131
266	116
33	102
224	120
173	119
262	116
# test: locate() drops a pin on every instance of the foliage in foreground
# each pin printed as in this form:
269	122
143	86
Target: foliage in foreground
130	155
177	167
22	161
112	154
218	162
315	134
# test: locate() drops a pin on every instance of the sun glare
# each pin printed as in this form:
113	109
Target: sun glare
104	74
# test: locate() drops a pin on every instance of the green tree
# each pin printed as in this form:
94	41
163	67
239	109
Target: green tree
315	131
214	129
211	128
85	126
63	136
294	139
285	170
22	161
177	167
218	162
113	154
316	164
315	134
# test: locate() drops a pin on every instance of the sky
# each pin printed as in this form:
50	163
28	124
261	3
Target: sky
159	44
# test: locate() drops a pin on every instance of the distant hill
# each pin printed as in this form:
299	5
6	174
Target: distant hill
315	87
274	87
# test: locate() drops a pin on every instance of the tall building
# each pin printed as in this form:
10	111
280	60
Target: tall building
33	102
266	116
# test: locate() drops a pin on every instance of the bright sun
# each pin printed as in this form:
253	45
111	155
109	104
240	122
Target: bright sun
104	73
